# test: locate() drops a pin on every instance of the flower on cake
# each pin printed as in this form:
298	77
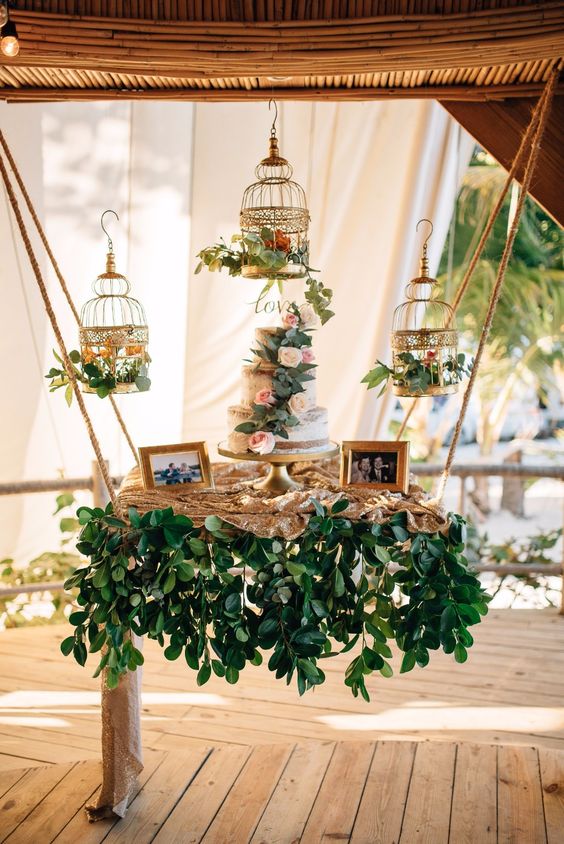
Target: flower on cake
265	397
307	315
289	320
298	403
308	355
261	442
289	356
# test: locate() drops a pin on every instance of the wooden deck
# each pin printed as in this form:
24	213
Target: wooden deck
468	754
511	691
362	792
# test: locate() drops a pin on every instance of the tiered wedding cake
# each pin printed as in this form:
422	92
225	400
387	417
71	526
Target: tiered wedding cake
278	395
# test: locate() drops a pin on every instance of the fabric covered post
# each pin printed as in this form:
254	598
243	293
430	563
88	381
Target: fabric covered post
122	760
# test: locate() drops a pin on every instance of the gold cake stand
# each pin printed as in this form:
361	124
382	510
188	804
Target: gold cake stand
278	480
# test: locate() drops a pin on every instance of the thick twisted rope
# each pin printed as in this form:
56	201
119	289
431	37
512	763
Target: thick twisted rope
58	335
523	147
496	292
58	273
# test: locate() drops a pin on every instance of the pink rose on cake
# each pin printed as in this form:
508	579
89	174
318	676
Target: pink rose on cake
307	354
265	397
298	403
261	442
289	320
289	356
307	315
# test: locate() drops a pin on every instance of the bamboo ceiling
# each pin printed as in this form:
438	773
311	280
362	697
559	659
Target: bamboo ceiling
300	49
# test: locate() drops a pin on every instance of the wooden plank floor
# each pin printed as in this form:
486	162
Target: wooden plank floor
511	692
386	792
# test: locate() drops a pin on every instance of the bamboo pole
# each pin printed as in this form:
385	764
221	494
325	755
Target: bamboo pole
251	32
491	15
195	94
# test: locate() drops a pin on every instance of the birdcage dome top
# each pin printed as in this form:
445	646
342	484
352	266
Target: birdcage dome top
275	200
422	310
112	306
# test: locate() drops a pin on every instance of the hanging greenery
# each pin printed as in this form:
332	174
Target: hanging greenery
418	375
221	597
268	251
92	369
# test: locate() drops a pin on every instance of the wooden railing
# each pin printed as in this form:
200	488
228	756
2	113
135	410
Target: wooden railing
520	471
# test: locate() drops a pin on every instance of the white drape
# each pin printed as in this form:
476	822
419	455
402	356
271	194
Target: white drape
175	173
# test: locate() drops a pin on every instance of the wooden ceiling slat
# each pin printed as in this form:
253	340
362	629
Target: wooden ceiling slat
537	13
319	48
201	89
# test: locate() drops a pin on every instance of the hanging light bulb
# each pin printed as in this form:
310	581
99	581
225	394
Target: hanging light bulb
3	12
10	45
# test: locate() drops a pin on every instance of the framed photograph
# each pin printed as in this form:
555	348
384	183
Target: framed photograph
178	468
380	465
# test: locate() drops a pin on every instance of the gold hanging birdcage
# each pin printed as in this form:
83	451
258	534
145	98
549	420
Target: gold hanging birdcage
275	208
114	335
424	343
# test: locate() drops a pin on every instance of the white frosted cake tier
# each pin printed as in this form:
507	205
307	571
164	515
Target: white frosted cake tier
255	378
311	434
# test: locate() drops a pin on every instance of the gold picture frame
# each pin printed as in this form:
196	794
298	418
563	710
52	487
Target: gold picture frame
178	474
394	474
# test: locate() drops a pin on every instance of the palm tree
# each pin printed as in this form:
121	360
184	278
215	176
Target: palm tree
525	343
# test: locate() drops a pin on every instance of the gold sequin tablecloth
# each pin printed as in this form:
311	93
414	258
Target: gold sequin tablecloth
283	515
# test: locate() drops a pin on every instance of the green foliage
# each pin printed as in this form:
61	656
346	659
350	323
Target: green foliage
417	374
526	336
98	374
286	381
259	251
17	610
531	550
188	587
268	251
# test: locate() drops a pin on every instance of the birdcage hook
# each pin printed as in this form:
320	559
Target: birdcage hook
110	242
425	220
273	128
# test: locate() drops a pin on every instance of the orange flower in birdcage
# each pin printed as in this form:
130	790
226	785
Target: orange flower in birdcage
134	350
88	354
105	352
281	241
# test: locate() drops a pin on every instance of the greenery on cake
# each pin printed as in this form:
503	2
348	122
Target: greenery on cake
341	584
288	350
418	374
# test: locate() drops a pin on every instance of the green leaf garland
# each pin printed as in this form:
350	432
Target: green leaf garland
184	586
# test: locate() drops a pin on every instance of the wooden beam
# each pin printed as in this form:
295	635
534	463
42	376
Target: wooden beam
439	42
28	94
499	127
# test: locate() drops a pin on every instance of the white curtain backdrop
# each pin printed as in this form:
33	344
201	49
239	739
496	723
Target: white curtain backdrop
175	174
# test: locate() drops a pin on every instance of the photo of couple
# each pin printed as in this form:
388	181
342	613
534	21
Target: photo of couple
171	469
378	464
176	467
373	468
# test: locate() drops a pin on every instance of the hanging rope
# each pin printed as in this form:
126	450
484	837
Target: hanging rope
58	336
59	275
496	292
523	147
